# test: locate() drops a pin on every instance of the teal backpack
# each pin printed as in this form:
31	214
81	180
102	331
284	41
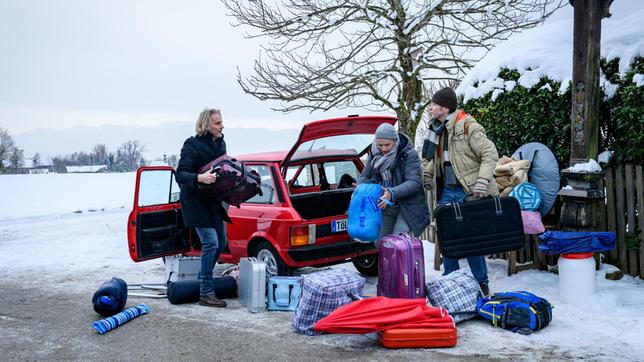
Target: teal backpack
520	311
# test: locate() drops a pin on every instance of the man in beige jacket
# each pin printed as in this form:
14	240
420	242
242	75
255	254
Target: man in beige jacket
461	162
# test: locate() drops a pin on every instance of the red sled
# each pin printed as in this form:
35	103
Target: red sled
418	338
235	183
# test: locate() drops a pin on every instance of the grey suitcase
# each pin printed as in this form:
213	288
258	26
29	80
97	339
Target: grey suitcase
179	268
252	284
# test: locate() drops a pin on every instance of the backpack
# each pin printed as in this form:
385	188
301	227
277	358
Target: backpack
519	311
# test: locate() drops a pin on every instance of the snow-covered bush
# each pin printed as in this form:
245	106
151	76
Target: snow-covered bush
521	90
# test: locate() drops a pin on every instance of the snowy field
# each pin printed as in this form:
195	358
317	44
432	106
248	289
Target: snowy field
47	244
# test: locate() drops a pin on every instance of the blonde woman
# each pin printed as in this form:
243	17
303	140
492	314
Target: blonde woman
204	214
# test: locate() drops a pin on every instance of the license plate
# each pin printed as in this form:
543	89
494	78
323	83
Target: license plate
339	225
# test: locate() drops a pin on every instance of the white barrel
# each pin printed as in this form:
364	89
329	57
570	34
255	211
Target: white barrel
576	277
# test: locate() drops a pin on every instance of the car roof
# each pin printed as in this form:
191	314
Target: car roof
278	156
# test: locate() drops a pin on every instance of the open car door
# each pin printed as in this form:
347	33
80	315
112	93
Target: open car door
347	136
155	226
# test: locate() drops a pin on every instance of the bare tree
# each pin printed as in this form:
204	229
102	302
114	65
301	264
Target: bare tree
100	153
6	146
173	160
374	54
35	161
129	156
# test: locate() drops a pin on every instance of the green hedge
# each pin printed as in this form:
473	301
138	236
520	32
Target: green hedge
539	114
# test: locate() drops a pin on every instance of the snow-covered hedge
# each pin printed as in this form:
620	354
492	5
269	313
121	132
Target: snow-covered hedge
521	90
542	113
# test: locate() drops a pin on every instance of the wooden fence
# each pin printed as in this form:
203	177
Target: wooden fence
625	216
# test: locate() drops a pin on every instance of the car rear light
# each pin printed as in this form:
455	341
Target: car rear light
303	235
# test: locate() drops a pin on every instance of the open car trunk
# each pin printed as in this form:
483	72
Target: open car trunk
321	204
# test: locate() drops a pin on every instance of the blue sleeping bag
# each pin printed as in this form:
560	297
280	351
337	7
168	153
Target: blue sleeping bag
365	217
110	297
562	242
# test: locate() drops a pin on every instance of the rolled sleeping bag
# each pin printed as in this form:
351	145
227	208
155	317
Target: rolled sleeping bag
110	297
187	291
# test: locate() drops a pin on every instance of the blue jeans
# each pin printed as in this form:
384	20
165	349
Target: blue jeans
477	264
213	241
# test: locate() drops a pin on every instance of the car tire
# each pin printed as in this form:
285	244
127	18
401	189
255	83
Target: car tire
265	252
367	265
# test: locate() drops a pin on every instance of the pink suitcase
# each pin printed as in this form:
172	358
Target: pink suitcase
401	267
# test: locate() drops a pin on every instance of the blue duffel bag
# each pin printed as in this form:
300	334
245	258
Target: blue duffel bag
365	217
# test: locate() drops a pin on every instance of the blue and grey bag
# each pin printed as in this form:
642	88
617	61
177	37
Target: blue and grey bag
520	311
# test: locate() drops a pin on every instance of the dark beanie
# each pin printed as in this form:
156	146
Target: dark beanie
445	97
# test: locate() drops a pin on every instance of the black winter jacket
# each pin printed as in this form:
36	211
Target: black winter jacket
199	210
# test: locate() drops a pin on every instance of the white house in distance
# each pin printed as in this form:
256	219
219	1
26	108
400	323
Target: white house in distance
87	169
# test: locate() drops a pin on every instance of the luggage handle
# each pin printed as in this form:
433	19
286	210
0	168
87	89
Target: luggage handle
231	162
498	210
457	211
417	277
280	304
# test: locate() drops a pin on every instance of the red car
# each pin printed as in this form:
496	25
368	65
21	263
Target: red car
300	218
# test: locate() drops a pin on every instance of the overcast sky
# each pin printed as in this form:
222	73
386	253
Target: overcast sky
66	63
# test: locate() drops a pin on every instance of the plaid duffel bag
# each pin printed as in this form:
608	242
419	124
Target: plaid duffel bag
322	293
457	292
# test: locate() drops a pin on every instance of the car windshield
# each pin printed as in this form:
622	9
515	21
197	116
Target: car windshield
345	145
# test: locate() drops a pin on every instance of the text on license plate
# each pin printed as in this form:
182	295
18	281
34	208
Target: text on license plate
339	225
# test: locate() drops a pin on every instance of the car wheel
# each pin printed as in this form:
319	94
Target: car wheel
367	265
265	252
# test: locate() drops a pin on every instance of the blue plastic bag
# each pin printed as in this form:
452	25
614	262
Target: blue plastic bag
528	195
365	217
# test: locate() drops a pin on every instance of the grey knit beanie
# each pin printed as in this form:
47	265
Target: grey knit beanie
446	97
386	131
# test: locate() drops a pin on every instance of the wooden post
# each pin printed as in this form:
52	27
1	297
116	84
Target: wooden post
585	79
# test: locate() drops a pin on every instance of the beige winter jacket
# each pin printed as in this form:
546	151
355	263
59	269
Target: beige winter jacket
472	155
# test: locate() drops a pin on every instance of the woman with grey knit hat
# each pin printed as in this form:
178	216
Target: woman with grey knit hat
395	165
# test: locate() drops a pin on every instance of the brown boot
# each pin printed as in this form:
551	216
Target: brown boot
211	301
485	289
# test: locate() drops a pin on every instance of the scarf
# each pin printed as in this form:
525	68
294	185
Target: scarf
430	144
384	163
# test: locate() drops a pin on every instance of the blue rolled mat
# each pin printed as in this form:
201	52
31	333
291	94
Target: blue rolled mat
105	325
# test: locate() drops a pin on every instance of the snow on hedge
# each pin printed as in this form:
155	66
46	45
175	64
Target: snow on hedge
546	51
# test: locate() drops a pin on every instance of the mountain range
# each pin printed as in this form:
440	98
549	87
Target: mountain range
158	140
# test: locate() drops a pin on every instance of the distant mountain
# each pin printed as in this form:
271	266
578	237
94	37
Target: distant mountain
159	140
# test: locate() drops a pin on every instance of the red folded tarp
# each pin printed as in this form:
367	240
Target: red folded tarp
381	313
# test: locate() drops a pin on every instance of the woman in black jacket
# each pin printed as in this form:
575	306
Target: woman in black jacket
203	213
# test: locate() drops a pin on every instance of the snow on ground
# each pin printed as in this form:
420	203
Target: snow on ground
77	251
47	194
546	51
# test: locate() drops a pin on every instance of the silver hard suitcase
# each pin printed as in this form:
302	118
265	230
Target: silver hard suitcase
178	268
252	284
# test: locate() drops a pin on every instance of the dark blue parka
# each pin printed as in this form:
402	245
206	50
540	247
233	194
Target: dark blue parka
199	210
408	188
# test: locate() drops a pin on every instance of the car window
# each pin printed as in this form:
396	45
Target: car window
334	171
308	176
157	187
267	185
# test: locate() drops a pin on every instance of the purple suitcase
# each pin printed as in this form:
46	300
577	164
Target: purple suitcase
401	267
235	183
